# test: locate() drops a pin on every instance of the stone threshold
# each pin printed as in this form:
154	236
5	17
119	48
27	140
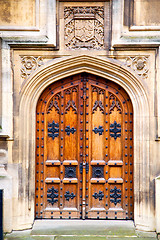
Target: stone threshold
81	230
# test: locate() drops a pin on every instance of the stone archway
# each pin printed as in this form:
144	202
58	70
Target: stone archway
111	70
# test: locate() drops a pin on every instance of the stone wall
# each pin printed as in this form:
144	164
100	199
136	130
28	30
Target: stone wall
43	41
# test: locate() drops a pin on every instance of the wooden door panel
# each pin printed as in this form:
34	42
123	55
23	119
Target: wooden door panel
84	150
108	137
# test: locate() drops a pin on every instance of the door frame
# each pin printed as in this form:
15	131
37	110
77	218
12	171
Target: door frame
112	70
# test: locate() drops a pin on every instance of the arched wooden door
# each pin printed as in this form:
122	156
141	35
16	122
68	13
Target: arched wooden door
84	150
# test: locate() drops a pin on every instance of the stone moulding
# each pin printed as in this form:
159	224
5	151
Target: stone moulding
113	71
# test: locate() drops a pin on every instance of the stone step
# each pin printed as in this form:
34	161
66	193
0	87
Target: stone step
81	230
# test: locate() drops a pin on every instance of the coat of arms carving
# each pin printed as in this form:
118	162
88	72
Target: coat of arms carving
84	27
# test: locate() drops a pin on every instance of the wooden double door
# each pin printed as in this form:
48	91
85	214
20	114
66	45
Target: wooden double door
84	150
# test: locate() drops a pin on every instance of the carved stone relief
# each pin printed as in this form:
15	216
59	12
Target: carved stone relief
30	64
139	64
84	27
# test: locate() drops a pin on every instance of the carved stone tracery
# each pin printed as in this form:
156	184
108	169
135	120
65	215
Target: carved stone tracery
84	27
139	64
30	64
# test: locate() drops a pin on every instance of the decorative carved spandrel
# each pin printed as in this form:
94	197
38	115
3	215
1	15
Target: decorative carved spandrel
84	27
139	64
29	65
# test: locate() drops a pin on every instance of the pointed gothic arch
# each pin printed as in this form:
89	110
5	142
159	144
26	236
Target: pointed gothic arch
113	71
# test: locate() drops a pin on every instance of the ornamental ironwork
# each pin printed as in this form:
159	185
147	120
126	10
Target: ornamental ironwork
53	130
69	195
98	130
114	195
70	171
69	130
52	195
99	195
97	171
115	130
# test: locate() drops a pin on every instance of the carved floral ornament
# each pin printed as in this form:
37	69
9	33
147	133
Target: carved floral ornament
84	27
30	64
139	64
